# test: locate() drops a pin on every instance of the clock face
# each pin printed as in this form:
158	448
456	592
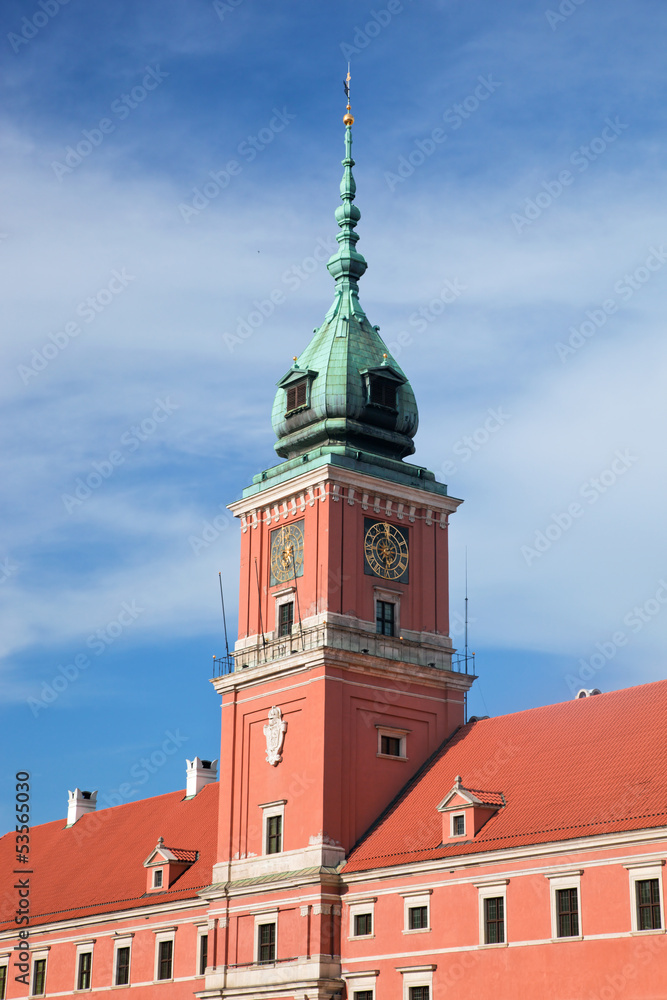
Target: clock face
287	553
386	552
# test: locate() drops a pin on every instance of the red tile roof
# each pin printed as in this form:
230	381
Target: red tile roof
577	769
183	855
97	865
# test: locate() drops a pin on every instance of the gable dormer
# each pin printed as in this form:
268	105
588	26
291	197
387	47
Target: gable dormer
165	864
465	812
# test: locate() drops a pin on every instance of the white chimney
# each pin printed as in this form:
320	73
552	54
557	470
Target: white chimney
199	773
79	803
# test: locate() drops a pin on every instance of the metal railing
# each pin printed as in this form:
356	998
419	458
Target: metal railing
350	640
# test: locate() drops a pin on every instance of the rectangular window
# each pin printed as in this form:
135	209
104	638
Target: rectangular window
165	958
203	954
266	950
648	904
494	920
39	977
363	924
384	617
419	993
286	618
3	982
567	911
83	974
297	395
363	995
274	835
390	745
122	967
417	918
382	391
157	878
459	826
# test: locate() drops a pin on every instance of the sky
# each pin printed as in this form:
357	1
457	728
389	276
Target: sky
169	166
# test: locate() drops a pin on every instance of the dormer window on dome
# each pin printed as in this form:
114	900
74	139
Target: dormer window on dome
381	386
296	386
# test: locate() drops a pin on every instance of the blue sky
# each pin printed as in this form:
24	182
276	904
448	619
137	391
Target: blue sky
513	152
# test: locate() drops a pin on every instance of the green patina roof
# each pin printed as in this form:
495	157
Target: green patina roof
342	354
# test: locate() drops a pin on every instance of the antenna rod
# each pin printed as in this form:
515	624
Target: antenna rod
466	615
224	619
259	604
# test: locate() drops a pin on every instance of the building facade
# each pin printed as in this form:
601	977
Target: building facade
364	840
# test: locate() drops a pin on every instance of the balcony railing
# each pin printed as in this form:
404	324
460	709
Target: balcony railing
349	640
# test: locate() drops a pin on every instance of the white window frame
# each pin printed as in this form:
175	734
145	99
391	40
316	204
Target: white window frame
124	941
638	873
452	817
160	936
154	884
269	810
389	597
401	734
357	909
265	917
411	901
492	890
564	880
286	596
417	975
203	931
4	964
357	981
83	948
38	956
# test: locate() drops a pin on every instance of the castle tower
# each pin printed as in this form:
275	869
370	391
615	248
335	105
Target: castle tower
343	679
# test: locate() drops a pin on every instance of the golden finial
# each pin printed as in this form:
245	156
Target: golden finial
347	118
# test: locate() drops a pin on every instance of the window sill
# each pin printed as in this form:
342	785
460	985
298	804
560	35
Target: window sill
500	944
156	982
361	937
390	756
418	930
651	930
573	937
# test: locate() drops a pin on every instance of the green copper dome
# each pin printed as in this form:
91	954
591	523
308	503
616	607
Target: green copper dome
345	394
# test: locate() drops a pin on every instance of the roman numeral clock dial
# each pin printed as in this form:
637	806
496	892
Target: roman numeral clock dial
287	553
386	550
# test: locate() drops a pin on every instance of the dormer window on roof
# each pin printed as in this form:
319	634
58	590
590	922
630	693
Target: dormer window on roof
465	812
166	864
381	391
297	395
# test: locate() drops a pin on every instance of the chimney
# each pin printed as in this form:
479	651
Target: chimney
199	773
78	804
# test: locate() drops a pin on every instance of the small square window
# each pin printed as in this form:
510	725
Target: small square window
122	967
391	746
494	920
165	959
274	834
266	943
567	912
419	993
39	977
458	826
648	904
285	618
418	918
363	995
363	924
157	878
84	970
385	617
